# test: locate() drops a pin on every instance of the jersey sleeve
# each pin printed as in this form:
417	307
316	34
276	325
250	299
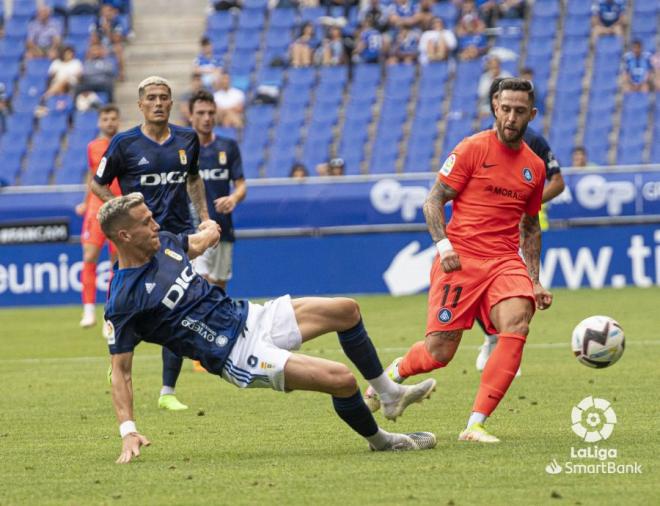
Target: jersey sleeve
236	166
193	167
180	240
110	166
534	203
458	167
120	333
542	149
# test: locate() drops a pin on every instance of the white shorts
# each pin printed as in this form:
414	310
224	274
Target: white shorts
216	263
261	352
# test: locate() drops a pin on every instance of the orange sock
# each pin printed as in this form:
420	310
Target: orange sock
499	372
418	361
88	280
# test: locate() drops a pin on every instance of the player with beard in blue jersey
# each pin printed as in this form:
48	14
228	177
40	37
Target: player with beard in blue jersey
156	296
160	160
220	166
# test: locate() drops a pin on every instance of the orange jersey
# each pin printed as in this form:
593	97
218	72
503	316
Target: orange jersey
95	151
495	186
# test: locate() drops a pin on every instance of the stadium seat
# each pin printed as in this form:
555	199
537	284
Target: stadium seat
578	8
81	25
447	11
546	9
333	75
282	18
577	26
220	22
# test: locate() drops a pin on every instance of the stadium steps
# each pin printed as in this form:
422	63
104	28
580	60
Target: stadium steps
372	129
166	43
412	104
554	73
438	155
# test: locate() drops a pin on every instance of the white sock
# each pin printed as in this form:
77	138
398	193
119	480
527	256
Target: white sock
387	389
490	339
167	391
89	309
380	439
476	418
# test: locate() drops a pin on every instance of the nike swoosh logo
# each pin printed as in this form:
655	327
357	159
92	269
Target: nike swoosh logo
488	165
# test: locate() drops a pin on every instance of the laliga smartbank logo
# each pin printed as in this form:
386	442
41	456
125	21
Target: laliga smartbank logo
593	420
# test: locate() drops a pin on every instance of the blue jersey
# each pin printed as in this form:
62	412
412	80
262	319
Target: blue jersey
638	67
373	44
540	146
609	11
166	303
219	163
158	171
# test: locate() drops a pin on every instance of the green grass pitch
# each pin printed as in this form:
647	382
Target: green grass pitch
59	438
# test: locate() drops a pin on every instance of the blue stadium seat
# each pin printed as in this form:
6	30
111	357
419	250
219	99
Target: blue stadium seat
304	76
38	167
311	14
260	116
401	74
37	67
73	167
282	18
580	8
366	74
247	40
540	46
577	26
575	46
252	161
329	94
81	24
280	165
273	76
255	4
447	11
546	9
46	141
333	75
220	22
10	167
251	19
20	122
609	45
315	152
53	124
278	39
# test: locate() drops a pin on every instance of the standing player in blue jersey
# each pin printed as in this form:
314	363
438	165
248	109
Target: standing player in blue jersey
156	296
220	166
160	161
554	185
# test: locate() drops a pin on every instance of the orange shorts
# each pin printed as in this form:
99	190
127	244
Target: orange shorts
92	233
457	298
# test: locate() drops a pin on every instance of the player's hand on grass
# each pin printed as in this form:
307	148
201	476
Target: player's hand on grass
543	297
450	261
130	447
225	205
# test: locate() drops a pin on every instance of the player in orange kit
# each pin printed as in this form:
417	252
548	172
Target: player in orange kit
494	180
92	237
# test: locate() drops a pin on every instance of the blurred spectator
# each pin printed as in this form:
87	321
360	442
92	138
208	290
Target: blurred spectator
64	73
472	41
298	171
608	17
44	35
512	9
333	50
375	13
638	68
371	45
184	110
230	102
539	94
488	10
98	72
206	64
437	43
579	157
110	33
402	13
493	71
322	169
4	108
83	7
225	5
336	167
424	17
302	49
405	47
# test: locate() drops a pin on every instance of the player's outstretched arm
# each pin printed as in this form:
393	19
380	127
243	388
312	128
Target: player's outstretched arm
197	194
122	398
553	187
434	212
530	230
102	191
208	235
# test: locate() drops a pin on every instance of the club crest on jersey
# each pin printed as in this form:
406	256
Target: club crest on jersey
221	341
173	254
444	315
101	168
446	168
222	157
182	157
109	331
527	174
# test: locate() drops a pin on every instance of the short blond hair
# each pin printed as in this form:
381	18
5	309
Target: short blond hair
153	81
113	213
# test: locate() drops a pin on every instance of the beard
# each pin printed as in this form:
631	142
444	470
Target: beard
508	135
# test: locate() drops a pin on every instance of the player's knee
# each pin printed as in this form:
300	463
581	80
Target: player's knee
345	383
441	347
518	325
350	310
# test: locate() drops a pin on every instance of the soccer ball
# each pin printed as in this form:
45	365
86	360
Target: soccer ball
598	341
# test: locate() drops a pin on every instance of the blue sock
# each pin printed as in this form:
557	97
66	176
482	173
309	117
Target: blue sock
356	414
171	368
360	350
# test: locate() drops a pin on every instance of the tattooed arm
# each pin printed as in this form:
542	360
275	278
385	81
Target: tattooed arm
197	194
530	231
434	212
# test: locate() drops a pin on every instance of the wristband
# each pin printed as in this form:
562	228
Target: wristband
443	247
126	428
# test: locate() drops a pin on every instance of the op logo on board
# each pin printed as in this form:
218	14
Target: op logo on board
444	315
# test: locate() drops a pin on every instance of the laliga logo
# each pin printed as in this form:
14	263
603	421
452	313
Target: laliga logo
595	191
388	196
593	419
